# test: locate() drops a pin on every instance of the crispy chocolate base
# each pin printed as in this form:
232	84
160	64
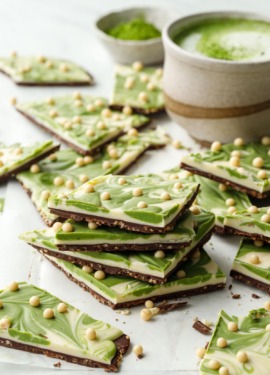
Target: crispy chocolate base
250	281
27	165
237	187
105	247
124	224
122	344
70	144
142	111
67	84
253	236
128	304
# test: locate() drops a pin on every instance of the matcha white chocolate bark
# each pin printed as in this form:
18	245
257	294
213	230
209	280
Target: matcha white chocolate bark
136	203
138	87
43	71
213	196
19	157
252	223
66	169
252	264
151	267
239	345
197	275
245	167
33	320
83	122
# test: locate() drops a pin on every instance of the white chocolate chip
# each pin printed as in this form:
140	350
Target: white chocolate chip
77	95
222	187
258	243
48	313
57	226
159	72
177	144
151	86
144	78
138	350
137	192
254	259
181	274
106	112
149	304
129	83
13	54
88	159
133	132
106	164
231	210
80	162
52	157
13	101
78	103
14	286
90	132
127	110
267	305
67	227
70	184
77	119
121	181
34	301
142	204
83	178
235	161
53	113
242	356
239	142
196	255
58	181
99	103
230	202
105	196
45	195
178	185
154	310
236	153
92	225
232	327
5	323
41	59
258	162
88	188
143	97
113	153
87	269
195	210
64	68
200	352
165	196
99	275
216	146
223	371
265	141
159	254
221	342
50	101
68	125
137	65
62	308
262	175
146	314
101	125
91	334
265	218
214	364
253	210
90	107
34	168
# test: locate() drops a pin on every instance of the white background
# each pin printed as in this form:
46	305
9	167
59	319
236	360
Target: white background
59	28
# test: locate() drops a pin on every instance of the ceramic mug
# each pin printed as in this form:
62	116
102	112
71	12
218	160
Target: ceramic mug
215	99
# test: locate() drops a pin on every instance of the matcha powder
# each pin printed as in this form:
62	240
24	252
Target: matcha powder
136	29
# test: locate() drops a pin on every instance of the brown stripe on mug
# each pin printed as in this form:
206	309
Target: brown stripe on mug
191	111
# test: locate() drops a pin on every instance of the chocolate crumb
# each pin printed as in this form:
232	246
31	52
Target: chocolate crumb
166	307
255	296
202	328
206	345
230	286
236	296
57	364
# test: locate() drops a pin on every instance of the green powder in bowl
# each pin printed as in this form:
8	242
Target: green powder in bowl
136	29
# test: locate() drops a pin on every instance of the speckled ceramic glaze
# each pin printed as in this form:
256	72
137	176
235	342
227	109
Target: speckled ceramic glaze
215	99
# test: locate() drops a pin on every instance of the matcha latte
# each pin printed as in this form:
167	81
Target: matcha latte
233	39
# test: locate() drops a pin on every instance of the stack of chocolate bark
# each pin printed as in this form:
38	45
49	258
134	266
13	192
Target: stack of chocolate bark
244	169
129	239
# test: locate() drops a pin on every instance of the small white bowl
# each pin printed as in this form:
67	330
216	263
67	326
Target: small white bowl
127	51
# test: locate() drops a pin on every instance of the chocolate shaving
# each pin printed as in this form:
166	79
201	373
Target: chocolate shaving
57	364
166	307
236	296
202	328
255	296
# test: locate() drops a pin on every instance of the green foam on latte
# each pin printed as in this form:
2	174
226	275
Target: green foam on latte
233	39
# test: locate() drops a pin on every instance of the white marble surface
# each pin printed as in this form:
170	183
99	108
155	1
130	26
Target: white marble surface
65	29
